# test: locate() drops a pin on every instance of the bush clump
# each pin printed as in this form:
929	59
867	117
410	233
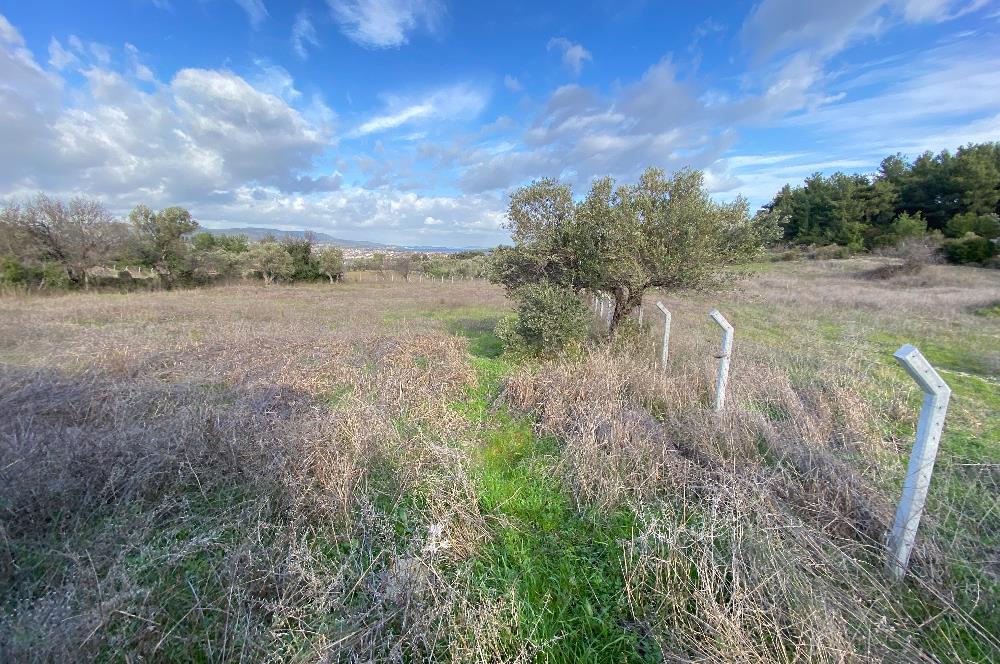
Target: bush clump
550	319
970	249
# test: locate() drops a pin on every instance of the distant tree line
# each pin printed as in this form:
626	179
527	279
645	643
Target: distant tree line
50	244
949	199
47	243
458	265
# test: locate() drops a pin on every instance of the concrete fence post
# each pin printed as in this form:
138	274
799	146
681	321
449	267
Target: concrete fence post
640	315
921	465
727	351
666	336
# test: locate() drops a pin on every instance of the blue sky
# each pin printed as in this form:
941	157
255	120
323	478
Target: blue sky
408	121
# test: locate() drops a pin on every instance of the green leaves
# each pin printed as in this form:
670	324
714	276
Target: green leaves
661	231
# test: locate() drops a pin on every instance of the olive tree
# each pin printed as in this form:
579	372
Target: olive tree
661	232
161	238
270	260
331	263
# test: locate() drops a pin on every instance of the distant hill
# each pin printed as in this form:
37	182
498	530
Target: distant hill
255	233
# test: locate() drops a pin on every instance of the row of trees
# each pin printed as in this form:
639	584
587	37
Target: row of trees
461	265
49	243
951	198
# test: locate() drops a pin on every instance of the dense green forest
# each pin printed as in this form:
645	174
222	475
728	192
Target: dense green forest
952	199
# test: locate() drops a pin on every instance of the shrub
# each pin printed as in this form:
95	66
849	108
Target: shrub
970	249
11	270
984	225
830	251
550	319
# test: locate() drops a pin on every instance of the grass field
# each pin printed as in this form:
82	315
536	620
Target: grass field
355	472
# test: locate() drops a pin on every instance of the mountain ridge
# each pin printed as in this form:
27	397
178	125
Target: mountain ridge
259	233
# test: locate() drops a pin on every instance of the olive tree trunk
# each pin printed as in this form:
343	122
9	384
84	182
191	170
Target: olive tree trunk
626	300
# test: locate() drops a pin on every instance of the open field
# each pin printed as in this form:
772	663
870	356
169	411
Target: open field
354	473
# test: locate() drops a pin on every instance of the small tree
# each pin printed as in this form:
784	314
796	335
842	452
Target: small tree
402	265
161	238
663	232
270	260
331	263
301	251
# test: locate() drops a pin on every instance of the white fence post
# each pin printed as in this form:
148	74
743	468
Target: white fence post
727	350
640	315
918	472
666	336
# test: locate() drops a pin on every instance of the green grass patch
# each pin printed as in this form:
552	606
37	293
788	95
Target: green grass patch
562	566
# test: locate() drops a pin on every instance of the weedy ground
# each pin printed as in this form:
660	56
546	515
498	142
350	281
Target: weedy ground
356	473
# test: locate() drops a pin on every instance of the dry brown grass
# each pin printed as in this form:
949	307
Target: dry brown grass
209	473
763	527
281	474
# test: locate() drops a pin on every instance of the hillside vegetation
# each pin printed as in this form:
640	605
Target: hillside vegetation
355	472
951	200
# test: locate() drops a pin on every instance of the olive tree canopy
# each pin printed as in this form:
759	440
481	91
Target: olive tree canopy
663	231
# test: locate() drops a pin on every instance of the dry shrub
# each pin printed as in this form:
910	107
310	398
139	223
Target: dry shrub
761	536
204	479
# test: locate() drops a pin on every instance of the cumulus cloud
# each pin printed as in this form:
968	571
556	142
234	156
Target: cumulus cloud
235	150
386	23
354	212
203	130
581	133
573	55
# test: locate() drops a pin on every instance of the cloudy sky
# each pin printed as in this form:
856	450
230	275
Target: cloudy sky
408	121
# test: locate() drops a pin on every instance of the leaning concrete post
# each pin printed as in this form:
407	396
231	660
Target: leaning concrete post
727	350
918	472
666	336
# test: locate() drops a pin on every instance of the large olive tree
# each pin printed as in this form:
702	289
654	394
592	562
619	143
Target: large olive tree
270	260
663	232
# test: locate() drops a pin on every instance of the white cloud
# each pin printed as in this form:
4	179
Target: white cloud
303	34
204	130
255	9
512	84
386	23
59	57
139	70
459	101
573	55
825	28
